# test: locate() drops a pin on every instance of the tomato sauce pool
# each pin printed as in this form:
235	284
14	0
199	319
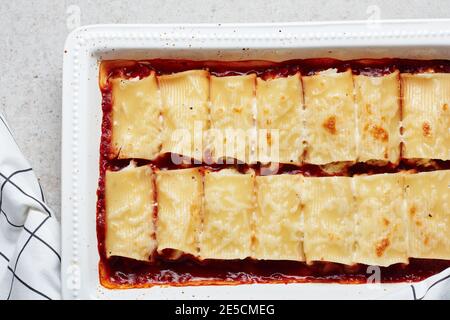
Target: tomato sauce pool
119	272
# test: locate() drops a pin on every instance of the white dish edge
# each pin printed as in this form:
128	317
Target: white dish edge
420	39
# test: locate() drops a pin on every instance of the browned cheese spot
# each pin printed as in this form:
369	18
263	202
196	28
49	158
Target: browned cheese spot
426	128
237	109
379	133
381	247
330	125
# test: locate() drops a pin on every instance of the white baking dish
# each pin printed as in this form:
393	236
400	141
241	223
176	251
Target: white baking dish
82	114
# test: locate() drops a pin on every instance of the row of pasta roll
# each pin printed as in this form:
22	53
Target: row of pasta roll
323	118
379	219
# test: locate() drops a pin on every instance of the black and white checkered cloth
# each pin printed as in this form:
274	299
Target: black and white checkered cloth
29	233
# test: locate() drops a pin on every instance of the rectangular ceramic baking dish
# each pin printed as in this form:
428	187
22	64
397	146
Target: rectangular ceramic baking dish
82	114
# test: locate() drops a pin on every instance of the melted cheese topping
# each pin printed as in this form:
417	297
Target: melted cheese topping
378	102
426	115
428	209
179	198
129	213
330	115
136	128
279	107
381	228
329	219
228	211
185	112
232	101
278	219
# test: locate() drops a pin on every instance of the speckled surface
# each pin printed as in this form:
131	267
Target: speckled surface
33	34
